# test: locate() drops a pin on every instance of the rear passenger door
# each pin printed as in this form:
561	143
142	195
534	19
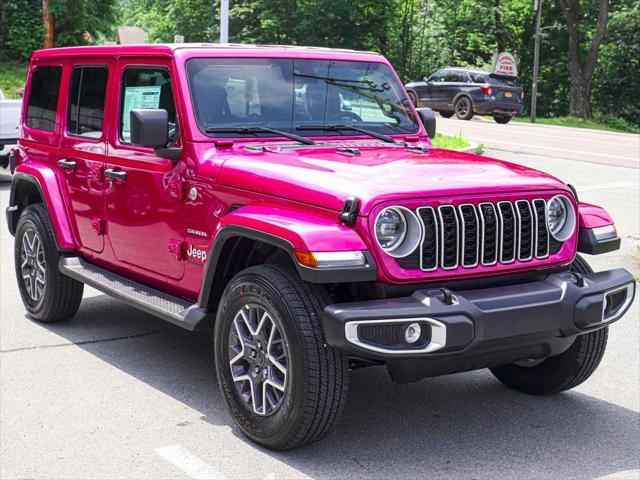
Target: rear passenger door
454	82
83	150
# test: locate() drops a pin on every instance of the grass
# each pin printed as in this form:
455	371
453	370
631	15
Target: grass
637	277
12	78
611	125
457	142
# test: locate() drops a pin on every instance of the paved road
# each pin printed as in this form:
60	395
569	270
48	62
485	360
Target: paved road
594	146
115	393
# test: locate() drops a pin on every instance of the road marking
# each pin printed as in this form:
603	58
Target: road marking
607	186
189	463
487	143
622	475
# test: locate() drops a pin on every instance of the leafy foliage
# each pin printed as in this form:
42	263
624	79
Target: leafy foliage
418	36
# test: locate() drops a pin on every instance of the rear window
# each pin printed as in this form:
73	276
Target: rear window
43	98
86	102
479	77
503	81
456	76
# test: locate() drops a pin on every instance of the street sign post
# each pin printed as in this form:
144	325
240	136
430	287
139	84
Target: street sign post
537	4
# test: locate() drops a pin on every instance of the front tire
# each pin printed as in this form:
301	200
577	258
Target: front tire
302	382
561	372
446	114
463	108
48	295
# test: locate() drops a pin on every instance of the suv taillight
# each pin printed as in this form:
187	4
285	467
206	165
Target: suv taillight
486	89
522	93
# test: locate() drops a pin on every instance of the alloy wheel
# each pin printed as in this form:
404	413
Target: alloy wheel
259	363
462	107
33	267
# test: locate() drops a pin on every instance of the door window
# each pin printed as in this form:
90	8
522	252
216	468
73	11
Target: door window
454	76
146	88
43	98
86	101
437	77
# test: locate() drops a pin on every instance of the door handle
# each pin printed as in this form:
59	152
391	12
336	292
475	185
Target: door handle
67	164
115	174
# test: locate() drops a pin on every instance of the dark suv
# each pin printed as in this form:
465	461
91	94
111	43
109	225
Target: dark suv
465	92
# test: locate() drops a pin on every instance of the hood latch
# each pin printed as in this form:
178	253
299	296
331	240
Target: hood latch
349	212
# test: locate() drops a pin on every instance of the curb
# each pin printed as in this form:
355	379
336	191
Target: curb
470	149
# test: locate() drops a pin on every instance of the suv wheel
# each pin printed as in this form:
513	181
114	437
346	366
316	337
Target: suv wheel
463	108
48	295
502	119
446	114
564	371
284	387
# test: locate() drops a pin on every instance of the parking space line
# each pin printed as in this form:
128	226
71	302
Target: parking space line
189	463
606	186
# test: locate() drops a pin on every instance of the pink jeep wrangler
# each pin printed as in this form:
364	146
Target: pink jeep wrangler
290	201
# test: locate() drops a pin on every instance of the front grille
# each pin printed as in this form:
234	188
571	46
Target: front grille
388	334
485	234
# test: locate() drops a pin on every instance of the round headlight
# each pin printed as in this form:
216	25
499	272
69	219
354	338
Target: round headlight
398	231
561	218
391	228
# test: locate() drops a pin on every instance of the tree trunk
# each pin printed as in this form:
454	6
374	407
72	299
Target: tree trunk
502	37
581	72
47	18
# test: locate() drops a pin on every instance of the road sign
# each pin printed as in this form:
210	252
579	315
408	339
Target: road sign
178	39
505	64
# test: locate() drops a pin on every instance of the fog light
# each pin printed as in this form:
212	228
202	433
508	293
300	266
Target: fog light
412	333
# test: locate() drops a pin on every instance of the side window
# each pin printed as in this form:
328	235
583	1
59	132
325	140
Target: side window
453	76
146	88
438	76
43	98
479	78
86	101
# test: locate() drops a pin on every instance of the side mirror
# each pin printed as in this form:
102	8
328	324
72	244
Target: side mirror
149	127
427	81
428	118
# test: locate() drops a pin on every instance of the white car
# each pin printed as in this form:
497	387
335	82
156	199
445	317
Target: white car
9	125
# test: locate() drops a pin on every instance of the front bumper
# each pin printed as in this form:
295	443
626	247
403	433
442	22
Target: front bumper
479	328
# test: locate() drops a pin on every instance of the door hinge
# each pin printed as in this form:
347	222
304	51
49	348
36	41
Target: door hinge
99	226
176	248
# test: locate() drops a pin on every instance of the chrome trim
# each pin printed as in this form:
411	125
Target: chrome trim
496	251
406	225
571	217
520	258
438	335
455	215
462	234
544	221
515	229
630	289
421	246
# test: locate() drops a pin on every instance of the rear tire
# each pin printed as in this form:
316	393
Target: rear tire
446	114
463	108
48	295
562	372
502	119
314	378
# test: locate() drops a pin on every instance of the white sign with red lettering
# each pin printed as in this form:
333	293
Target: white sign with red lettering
505	64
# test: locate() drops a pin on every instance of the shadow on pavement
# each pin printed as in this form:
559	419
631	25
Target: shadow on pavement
463	426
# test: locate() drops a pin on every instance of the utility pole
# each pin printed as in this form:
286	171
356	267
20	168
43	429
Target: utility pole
537	5
224	21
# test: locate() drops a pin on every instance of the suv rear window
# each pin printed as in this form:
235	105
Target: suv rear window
479	77
43	98
503	81
86	102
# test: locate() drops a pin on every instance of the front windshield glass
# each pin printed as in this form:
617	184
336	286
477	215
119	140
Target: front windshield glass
286	94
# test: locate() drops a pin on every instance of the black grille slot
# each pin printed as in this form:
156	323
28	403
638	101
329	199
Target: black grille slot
554	245
489	233
411	261
470	231
525	232
430	242
385	335
542	234
448	236
507	232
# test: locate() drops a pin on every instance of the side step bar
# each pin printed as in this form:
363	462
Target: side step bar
173	309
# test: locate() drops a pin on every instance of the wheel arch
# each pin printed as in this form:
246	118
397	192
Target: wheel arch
39	185
462	94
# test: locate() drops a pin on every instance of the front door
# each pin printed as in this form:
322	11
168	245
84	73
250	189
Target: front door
83	150
143	191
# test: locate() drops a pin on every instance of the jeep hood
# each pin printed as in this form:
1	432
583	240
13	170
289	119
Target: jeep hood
325	177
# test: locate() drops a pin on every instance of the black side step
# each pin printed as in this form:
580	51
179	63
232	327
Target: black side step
173	309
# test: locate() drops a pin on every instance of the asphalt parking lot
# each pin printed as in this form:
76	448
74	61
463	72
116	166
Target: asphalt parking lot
116	393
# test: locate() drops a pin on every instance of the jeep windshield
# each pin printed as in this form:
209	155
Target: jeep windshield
291	95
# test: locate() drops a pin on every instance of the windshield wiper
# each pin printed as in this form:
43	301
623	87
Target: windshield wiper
337	128
249	130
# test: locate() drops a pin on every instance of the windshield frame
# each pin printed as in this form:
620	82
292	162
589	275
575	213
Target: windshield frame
390	130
